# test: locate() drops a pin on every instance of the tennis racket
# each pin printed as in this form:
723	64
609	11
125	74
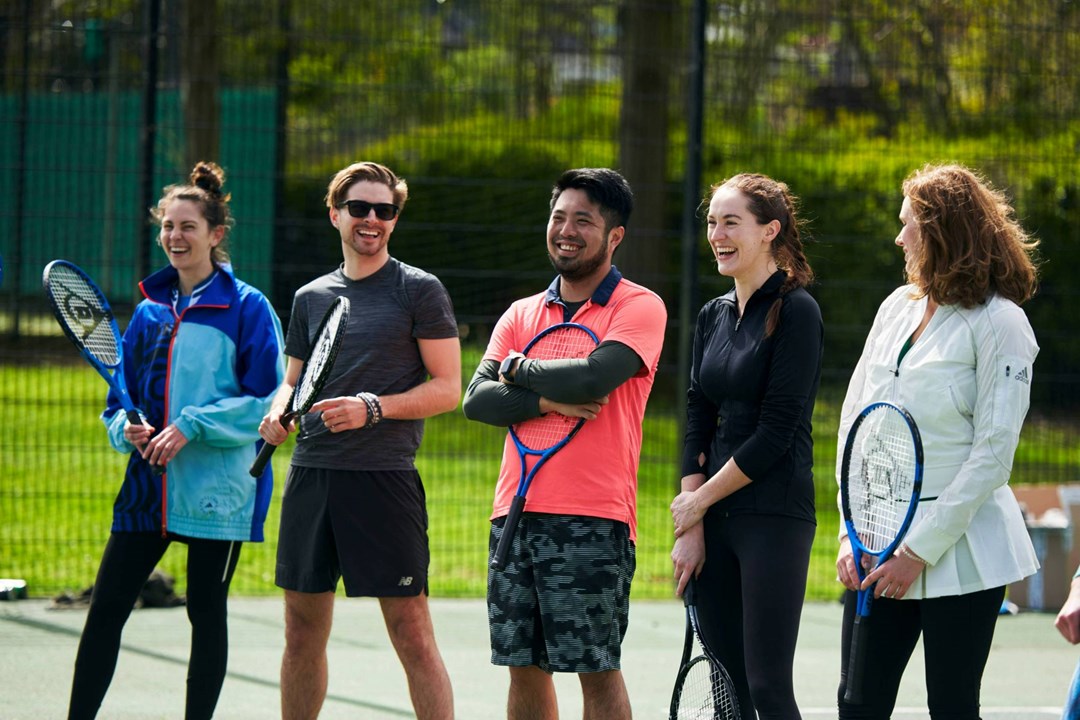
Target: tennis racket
880	482
314	373
703	688
546	435
84	315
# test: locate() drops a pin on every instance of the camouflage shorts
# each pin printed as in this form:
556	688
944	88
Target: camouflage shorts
562	602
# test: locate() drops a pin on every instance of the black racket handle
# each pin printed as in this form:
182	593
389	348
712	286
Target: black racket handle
502	551
267	450
853	693
135	418
263	457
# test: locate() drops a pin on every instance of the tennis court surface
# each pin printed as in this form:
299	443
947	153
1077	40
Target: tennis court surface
1026	679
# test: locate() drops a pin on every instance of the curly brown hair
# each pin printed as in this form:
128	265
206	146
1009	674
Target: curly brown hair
971	243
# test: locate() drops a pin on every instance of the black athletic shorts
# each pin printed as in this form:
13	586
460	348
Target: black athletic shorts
368	528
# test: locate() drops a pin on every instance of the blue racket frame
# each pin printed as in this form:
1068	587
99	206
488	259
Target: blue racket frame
865	598
517	505
112	372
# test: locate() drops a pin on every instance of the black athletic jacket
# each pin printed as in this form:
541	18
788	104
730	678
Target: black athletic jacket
752	397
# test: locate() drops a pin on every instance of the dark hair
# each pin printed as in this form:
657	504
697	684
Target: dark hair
205	190
605	187
769	200
365	172
971	244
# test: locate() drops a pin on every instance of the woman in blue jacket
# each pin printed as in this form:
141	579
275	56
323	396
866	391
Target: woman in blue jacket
202	358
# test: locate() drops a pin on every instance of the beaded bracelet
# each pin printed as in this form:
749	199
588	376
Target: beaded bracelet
374	408
911	556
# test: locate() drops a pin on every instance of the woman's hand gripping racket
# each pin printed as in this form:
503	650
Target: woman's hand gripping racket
314	373
880	482
84	315
703	688
546	435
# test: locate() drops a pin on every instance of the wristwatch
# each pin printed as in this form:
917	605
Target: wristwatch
509	366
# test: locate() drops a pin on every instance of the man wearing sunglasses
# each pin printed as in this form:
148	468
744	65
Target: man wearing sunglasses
353	507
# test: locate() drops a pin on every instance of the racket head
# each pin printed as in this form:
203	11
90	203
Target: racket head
703	691
564	341
83	313
324	350
703	688
880	478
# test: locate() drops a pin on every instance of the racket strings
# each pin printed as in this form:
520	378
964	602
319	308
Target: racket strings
85	314
321	357
568	343
706	693
883	463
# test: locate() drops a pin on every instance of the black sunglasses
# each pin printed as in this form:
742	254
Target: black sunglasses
361	208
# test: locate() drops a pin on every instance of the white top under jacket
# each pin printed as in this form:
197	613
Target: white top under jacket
966	382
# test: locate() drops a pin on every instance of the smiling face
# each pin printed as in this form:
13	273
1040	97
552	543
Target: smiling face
578	244
741	244
910	241
367	237
188	240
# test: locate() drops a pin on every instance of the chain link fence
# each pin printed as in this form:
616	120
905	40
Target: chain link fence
480	104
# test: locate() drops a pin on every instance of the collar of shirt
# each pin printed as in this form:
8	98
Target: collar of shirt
600	296
179	305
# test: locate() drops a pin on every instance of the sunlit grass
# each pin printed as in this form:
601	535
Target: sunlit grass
59	478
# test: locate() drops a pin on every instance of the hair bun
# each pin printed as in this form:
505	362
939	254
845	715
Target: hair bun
208	176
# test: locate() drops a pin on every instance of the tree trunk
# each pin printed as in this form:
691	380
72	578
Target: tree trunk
648	65
199	81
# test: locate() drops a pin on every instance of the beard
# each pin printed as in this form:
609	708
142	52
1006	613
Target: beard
579	268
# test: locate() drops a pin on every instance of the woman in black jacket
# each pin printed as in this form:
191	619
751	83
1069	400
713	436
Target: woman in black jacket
744	521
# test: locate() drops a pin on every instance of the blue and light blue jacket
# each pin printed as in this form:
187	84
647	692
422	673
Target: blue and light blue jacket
212	369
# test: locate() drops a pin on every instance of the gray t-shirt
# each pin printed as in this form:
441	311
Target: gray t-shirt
389	311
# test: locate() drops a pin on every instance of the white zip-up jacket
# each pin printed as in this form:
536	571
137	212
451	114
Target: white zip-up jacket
967	384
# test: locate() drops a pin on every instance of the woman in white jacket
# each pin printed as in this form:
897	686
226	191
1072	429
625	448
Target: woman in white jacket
954	348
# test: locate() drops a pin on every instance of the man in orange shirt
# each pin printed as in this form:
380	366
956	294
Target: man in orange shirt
561	603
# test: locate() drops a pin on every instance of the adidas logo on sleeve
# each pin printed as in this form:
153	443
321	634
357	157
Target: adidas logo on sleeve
1022	375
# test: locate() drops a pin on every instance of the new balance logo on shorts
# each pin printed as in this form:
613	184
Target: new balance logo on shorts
405	581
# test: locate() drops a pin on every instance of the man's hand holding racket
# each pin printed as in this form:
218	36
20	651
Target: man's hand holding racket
271	429
587	410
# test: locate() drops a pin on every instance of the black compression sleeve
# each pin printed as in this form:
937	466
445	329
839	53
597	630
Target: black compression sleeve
489	401
577	381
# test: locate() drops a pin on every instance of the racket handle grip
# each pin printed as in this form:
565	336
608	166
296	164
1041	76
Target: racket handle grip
136	418
267	450
502	550
853	692
263	457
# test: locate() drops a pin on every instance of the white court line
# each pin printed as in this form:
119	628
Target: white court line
987	712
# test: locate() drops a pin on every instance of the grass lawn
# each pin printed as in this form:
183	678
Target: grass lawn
58	477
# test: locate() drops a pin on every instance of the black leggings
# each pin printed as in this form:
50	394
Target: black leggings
957	631
128	560
751	594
